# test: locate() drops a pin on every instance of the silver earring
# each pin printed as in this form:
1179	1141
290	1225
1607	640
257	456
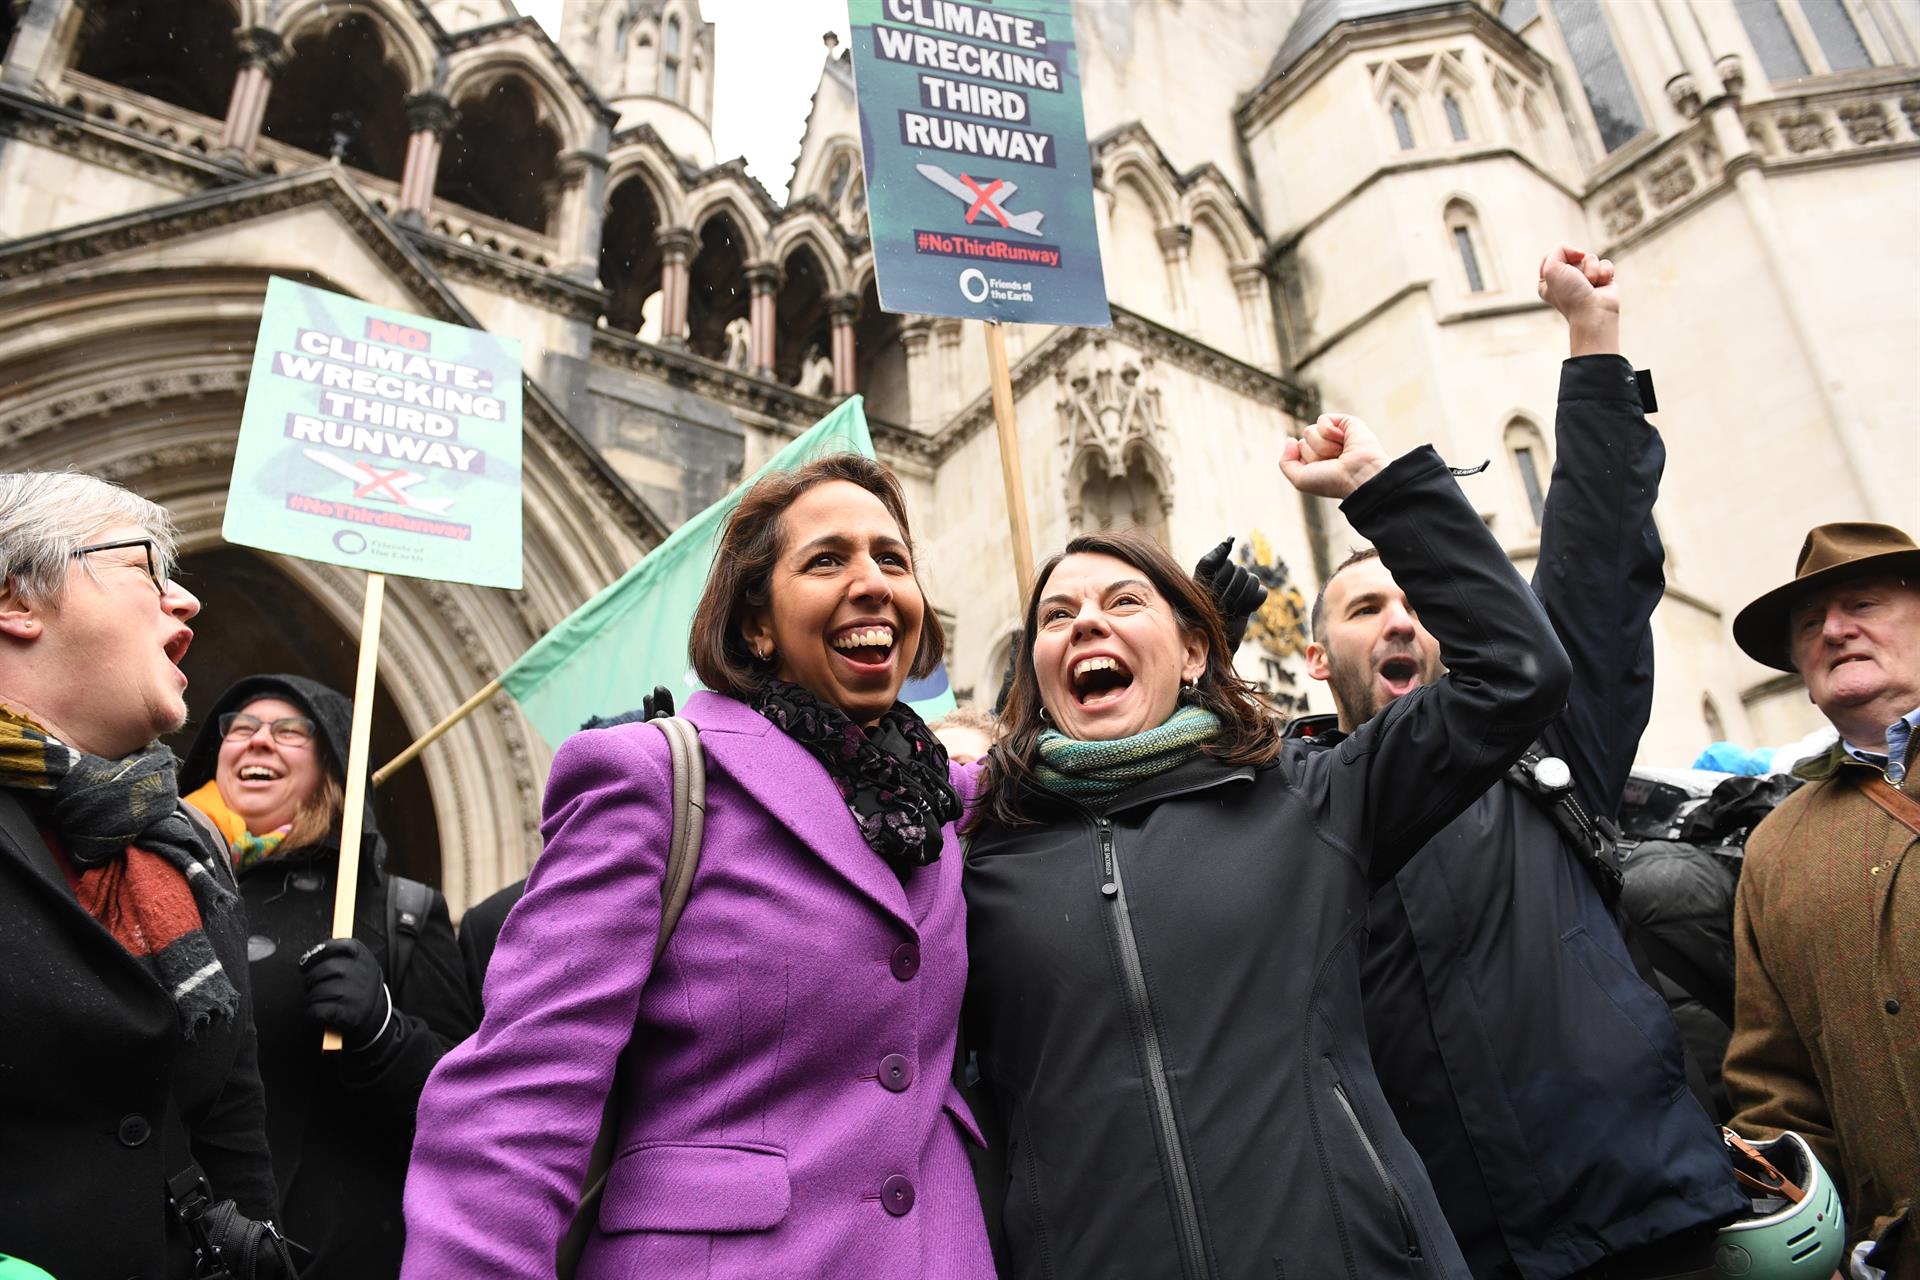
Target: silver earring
1044	717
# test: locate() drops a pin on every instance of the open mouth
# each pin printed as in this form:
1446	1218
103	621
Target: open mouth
176	648
869	647
1098	680
1401	675
256	773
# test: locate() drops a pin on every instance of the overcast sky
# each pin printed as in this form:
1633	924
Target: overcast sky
769	57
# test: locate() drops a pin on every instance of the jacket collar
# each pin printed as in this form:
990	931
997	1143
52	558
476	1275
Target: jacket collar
795	788
21	840
1198	774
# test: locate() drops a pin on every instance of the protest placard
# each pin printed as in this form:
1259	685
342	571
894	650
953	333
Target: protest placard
979	182
380	441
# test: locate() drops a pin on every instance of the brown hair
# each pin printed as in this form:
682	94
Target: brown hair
319	814
1249	734
739	585
1317	624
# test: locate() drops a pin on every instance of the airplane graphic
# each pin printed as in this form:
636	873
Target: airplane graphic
986	196
380	486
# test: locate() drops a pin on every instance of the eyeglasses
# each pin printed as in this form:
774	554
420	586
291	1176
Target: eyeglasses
288	731
156	570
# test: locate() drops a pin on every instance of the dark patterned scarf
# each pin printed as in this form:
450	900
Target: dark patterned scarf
142	873
893	776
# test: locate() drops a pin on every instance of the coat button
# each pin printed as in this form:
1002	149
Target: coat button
1893	1006
134	1130
896	1073
906	961
897	1194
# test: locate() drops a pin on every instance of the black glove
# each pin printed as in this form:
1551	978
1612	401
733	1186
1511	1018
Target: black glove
658	703
247	1250
1236	591
345	992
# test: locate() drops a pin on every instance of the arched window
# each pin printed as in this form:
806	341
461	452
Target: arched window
1463	234
670	60
182	53
501	157
1402	126
1456	122
343	92
1527	451
837	183
1616	112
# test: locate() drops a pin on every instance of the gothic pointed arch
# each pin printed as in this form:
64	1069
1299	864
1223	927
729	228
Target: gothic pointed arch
502	156
803	330
1112	433
630	256
810	228
178	51
343	91
403	38
717	292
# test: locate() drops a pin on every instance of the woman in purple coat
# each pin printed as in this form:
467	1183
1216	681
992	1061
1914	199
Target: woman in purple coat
781	1077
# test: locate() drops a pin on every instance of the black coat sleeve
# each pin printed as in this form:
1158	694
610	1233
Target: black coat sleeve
435	1010
1399	778
229	1131
1600	571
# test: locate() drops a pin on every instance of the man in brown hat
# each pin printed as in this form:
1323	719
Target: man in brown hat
1826	1037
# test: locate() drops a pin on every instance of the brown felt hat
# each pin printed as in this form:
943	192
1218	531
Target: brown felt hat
1832	553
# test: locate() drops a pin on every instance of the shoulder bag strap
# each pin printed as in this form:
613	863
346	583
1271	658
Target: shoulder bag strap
408	902
683	859
1900	806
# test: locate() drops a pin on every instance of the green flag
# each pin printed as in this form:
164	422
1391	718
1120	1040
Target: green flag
611	651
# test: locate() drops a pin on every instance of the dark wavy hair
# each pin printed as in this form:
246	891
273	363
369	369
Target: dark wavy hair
1249	733
739	585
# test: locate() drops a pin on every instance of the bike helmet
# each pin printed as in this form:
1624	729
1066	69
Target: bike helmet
1795	1230
12	1268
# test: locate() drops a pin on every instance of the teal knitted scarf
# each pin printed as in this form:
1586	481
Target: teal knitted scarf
1097	770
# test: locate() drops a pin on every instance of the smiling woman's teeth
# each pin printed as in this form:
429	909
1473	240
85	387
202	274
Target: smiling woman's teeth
1094	664
866	638
257	773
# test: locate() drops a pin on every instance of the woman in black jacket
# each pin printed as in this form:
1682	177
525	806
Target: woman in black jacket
268	768
1165	903
127	1047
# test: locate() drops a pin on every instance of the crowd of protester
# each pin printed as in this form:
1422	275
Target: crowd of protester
1124	977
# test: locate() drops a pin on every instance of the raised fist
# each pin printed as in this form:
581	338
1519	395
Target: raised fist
1581	288
1333	457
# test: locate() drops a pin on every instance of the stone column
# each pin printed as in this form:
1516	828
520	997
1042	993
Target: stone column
579	207
676	256
1256	313
1175	242
262	54
429	116
841	308
763	282
921	411
946	337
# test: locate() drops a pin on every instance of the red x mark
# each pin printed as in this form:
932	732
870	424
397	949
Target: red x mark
985	199
382	481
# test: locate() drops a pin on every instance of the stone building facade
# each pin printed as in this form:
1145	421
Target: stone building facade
1303	203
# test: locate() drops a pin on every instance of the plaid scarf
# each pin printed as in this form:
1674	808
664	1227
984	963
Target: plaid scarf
1099	770
141	872
246	847
893	776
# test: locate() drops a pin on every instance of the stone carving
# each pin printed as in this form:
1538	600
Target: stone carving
1866	123
1108	416
1910	107
1733	73
1684	97
1671	181
816	373
1622	212
739	343
1804	133
1280	626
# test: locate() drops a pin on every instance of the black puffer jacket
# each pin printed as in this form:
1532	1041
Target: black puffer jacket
1181	1066
340	1125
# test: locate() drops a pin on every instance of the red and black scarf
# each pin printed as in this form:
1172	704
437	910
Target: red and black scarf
143	873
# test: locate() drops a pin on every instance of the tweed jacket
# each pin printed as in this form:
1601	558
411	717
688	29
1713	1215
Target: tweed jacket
1826	1037
781	1081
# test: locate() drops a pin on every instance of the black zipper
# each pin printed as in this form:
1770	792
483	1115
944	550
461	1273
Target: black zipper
1187	1211
1410	1240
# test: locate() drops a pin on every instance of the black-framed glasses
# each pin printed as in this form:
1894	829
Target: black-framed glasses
156	571
288	731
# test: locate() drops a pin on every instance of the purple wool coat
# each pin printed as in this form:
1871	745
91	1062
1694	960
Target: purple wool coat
784	1108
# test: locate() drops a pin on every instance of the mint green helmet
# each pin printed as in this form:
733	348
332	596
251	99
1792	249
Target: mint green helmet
1796	1230
12	1268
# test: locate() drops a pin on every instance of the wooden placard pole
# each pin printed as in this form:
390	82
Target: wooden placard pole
432	735
1010	456
351	820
